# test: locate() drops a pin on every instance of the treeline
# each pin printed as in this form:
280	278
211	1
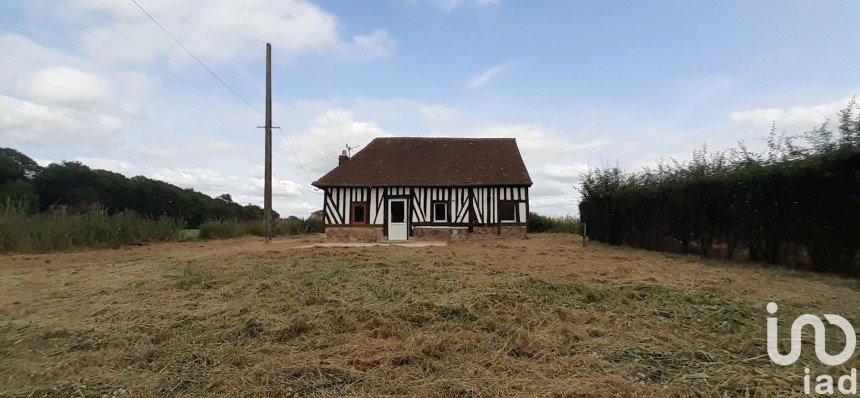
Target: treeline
75	188
797	204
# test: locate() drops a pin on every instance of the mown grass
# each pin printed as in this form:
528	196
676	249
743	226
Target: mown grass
709	312
536	317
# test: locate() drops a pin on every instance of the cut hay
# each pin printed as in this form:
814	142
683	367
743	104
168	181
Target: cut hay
542	316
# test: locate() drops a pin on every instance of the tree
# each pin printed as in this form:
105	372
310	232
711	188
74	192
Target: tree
821	138
27	166
20	195
77	187
10	170
849	128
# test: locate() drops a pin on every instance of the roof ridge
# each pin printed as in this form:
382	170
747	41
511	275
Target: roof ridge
444	138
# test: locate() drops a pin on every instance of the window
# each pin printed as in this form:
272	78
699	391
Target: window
398	211
508	211
359	213
440	211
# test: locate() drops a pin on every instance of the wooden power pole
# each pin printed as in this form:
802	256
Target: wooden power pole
267	191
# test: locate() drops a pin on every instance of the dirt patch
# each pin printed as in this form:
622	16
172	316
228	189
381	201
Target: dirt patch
542	316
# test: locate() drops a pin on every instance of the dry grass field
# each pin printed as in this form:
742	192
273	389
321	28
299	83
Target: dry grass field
542	316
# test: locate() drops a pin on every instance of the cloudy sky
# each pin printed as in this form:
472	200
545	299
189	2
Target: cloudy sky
577	83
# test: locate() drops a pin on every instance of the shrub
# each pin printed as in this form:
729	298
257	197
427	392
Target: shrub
292	225
538	223
223	229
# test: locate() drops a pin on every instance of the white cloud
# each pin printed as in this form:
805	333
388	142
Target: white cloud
175	150
450	5
377	44
537	140
321	145
438	115
22	56
138	84
220	32
487	75
295	208
50	98
548	188
132	110
280	188
757	117
555	205
794	119
209	181
567	173
288	188
63	85
30	123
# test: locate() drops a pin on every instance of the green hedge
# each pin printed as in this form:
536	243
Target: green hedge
803	210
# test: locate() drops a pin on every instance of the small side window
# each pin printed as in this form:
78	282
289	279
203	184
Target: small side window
359	213
508	211
440	212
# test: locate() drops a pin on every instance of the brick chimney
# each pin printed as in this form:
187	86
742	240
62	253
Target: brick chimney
342	158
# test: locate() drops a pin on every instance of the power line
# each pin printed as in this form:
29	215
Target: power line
222	82
294	152
197	59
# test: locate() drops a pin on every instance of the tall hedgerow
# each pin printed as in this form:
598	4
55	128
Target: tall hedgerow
796	204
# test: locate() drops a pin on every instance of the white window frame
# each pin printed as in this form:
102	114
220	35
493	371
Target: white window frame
516	206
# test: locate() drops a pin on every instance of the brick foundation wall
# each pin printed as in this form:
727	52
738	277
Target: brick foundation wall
374	234
514	231
439	234
507	231
355	234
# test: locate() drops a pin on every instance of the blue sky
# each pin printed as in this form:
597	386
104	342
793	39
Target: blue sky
577	83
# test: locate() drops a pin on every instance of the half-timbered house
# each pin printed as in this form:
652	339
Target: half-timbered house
427	188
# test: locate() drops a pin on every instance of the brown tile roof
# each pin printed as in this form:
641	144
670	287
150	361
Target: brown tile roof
414	161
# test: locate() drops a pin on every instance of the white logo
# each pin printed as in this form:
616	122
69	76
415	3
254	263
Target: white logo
823	384
818	326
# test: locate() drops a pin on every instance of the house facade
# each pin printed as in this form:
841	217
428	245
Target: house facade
397	189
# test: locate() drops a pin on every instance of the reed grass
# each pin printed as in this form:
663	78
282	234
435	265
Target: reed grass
566	224
94	228
223	229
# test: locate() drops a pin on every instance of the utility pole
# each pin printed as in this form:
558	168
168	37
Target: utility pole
267	191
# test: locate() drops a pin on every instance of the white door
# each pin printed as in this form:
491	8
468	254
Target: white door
397	219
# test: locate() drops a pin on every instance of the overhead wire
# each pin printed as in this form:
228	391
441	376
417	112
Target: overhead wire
195	57
227	86
294	152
